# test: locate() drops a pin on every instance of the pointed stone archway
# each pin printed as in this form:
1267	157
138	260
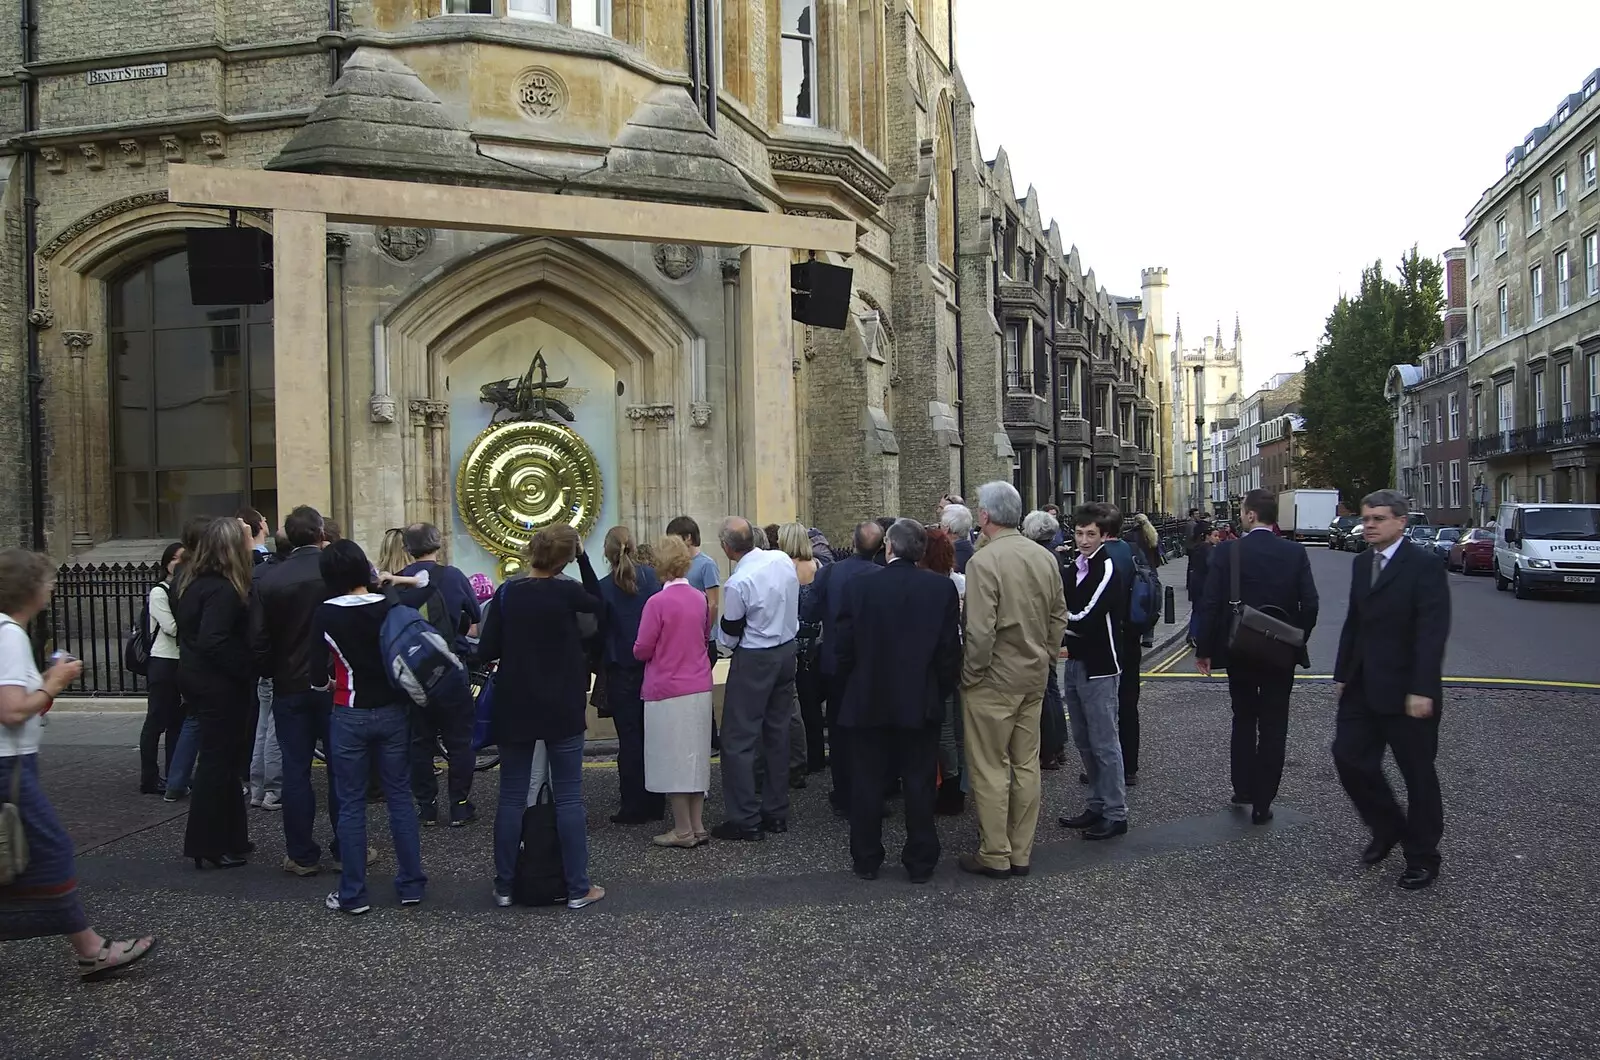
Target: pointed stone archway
658	360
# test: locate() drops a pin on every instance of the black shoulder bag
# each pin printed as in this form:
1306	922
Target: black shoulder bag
1258	638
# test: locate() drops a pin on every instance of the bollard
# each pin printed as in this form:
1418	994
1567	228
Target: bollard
1172	607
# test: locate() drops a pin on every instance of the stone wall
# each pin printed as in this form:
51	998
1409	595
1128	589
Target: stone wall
15	493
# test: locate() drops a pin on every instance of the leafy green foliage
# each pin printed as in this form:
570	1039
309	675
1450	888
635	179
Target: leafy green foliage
1349	427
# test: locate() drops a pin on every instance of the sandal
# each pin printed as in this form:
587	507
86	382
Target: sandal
113	957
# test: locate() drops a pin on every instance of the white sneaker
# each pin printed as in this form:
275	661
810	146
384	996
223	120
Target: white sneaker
332	903
271	801
503	901
255	802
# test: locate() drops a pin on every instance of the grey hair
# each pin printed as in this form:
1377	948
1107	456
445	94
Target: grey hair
1040	526
736	535
1003	503
957	519
909	540
423	539
1393	500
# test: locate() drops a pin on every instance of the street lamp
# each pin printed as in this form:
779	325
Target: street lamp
1480	497
1199	436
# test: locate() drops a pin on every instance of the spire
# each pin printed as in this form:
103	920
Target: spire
1219	334
1177	334
1237	334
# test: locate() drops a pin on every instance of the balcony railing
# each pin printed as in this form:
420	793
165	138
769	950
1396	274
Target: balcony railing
1577	430
1018	382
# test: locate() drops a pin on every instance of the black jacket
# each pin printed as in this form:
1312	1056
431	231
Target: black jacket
898	648
1393	640
286	597
826	602
214	657
1274	572
1097	607
1194	578
532	628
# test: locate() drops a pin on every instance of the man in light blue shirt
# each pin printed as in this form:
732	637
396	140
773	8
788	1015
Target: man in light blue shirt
760	618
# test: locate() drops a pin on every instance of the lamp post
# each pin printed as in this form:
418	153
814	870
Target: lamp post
1480	497
1200	437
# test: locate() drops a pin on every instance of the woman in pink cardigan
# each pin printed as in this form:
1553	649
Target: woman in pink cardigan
677	695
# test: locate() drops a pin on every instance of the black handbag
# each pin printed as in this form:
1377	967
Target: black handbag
540	878
1257	638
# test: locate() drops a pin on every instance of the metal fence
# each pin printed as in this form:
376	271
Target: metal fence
92	609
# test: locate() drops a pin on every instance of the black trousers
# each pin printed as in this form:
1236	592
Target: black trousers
1260	730
877	757
1052	720
838	744
1360	736
1131	654
218	823
809	686
451	721
163	718
627	713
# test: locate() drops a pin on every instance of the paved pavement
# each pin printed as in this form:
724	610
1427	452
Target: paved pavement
1194	936
1493	635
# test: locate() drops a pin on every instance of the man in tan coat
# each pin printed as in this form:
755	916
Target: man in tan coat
1016	616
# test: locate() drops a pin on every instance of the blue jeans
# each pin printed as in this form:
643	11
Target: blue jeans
302	719
359	737
182	765
1092	707
572	822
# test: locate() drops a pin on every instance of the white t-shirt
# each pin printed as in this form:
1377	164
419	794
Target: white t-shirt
17	668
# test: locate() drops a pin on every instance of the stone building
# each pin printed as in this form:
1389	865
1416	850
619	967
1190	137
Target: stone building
1533	264
1282	438
1205	384
1429	402
147	409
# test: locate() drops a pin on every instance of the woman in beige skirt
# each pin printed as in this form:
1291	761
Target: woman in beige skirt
677	694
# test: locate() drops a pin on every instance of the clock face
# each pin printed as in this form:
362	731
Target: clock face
519	477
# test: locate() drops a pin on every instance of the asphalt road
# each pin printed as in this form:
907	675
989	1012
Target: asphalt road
1194	936
1493	635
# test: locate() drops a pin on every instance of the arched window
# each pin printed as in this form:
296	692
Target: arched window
1503	487
944	186
193	429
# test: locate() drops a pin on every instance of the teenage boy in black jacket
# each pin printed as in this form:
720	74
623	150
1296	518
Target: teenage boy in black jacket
1097	603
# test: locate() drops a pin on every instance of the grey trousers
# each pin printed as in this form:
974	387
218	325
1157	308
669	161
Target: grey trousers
266	758
1092	710
757	706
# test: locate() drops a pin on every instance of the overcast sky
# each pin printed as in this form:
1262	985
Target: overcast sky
1264	152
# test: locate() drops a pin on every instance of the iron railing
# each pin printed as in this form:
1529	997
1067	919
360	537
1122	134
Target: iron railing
1575	430
93	607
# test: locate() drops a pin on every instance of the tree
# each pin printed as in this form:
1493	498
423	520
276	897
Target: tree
1349	429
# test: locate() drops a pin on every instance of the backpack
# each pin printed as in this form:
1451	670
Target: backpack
540	878
420	662
136	646
1144	597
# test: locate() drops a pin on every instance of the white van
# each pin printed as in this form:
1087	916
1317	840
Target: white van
1547	546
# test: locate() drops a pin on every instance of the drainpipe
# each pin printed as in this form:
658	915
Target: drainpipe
1055	395
30	227
693	30
713	64
335	56
955	214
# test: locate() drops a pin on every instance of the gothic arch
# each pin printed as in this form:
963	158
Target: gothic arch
944	182
73	268
657	357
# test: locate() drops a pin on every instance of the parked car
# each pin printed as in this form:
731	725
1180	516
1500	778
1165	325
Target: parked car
1448	536
1422	535
1340	529
1473	551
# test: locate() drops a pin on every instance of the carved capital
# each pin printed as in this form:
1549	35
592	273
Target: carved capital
338	243
132	152
53	162
172	148
657	413
92	158
77	342
381	408
42	318
700	413
430	413
214	143
730	271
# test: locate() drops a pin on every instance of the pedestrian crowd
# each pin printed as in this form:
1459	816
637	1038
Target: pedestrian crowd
943	662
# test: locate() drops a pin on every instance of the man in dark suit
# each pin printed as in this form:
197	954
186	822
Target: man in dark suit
1389	680
1274	577
899	660
823	606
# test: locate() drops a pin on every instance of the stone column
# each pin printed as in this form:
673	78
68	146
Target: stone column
654	494
430	426
300	353
766	386
78	343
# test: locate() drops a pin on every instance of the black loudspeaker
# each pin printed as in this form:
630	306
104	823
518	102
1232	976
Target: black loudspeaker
820	294
229	266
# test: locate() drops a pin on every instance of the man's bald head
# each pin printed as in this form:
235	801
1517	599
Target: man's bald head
736	537
868	538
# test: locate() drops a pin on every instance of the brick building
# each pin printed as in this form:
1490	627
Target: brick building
147	409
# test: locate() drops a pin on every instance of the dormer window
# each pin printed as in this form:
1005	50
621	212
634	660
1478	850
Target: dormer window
1590	85
1563	112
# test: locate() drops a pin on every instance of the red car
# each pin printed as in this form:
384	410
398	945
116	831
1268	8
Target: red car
1473	552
